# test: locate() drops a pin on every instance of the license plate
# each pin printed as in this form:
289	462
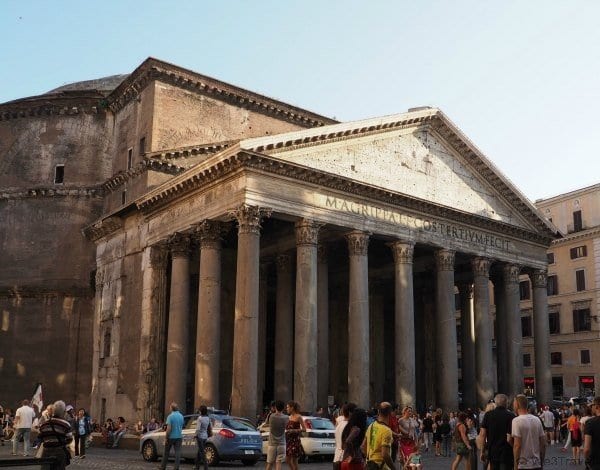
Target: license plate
329	445
249	452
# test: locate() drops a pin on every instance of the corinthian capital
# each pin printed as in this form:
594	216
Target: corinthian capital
208	233
444	260
511	273
307	232
539	278
249	217
358	243
481	266
179	244
402	251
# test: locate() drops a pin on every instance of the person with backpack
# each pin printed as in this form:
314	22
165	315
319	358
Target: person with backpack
576	434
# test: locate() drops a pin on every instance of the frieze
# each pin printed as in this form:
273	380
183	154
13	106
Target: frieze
402	251
249	217
93	191
358	243
444	260
45	292
481	266
307	232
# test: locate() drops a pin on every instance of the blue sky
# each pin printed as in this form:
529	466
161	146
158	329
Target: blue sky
520	78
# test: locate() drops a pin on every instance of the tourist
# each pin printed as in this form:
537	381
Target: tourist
576	432
56	435
139	428
352	439
461	442
408	433
527	437
427	431
203	432
293	429
23	421
495	428
83	428
342	421
547	418
446	435
377	444
152	425
276	422
119	432
472	436
413	462
174	436
591	448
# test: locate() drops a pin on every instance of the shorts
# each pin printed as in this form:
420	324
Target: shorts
276	454
548	429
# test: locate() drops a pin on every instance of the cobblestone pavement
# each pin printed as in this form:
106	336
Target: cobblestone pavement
100	458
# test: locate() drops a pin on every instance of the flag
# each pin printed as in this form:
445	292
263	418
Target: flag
38	399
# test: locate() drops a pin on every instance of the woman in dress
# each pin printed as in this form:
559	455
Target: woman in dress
293	429
461	442
352	438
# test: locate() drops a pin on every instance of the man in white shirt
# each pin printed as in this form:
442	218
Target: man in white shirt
528	437
548	419
23	421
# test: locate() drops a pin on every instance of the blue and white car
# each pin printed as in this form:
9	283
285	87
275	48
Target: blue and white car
232	438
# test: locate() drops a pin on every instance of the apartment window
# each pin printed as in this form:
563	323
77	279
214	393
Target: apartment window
554	321
129	158
556	358
142	146
580	279
557	387
59	174
526	360
524	290
584	356
526	327
552	285
577	221
550	258
582	320
578	252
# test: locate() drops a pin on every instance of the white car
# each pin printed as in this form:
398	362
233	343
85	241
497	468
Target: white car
318	440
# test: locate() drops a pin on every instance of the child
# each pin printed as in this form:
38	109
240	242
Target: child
414	460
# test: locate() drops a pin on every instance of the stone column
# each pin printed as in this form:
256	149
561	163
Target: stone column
322	326
284	331
405	380
376	343
500	332
446	345
263	290
179	312
484	360
514	335
245	342
152	338
358	319
541	337
467	346
208	330
305	330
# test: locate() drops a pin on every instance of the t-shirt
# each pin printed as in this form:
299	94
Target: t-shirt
202	425
378	436
497	423
529	429
175	419
592	428
277	423
548	419
339	452
25	415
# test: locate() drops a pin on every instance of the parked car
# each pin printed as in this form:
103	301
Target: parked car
576	401
232	438
318	440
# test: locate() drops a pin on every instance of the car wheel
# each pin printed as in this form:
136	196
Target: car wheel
248	462
149	451
211	455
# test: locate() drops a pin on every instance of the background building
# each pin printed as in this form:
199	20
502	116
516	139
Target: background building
573	295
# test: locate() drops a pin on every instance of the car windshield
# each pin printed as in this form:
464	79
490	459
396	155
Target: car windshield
321	424
238	424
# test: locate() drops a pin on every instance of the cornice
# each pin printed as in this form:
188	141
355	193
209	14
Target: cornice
122	177
60	104
153	69
191	151
45	192
197	177
590	233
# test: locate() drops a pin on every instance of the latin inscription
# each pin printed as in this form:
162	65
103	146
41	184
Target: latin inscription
420	224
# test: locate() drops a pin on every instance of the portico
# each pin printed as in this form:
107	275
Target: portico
365	231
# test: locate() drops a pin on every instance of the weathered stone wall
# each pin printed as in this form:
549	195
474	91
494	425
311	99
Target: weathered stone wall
46	293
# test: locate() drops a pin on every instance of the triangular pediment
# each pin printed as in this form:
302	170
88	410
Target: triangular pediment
420	159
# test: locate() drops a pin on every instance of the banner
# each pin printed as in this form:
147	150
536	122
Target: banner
38	399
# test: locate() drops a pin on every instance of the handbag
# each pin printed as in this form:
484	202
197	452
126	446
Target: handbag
462	449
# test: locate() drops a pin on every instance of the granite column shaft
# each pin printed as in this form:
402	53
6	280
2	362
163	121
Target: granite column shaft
484	375
541	337
284	331
514	335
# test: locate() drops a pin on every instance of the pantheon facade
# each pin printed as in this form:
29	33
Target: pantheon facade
247	250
